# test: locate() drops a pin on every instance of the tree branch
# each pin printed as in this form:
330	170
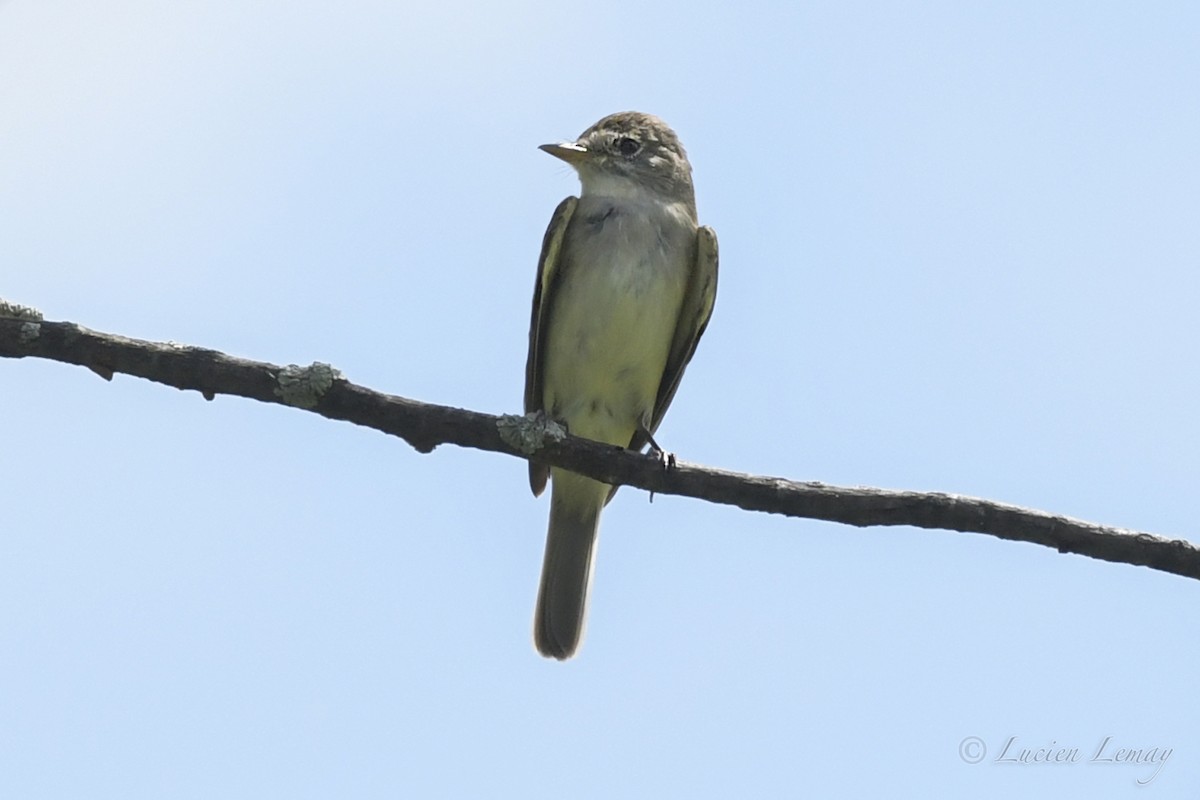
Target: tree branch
322	390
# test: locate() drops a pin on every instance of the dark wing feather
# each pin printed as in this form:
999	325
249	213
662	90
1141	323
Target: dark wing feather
543	292
693	319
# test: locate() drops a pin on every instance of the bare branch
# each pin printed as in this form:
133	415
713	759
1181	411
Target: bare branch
322	390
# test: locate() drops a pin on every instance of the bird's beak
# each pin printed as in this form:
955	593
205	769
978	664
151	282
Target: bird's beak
573	154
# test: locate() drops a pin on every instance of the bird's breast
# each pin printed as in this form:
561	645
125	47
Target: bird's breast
613	316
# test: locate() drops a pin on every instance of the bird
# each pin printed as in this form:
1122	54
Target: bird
626	284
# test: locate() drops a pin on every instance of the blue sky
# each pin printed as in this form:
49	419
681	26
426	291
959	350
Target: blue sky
959	253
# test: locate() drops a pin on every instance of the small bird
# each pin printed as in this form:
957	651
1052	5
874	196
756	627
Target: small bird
626	284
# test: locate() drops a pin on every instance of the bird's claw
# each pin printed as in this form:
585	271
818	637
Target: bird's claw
666	459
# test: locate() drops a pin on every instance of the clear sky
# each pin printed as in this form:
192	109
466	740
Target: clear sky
960	251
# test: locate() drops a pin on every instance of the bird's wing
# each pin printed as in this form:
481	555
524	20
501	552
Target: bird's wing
543	292
694	314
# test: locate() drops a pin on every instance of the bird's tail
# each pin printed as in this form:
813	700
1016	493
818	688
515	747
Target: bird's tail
575	503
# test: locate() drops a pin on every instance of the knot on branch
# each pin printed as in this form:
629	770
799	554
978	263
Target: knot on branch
528	434
303	387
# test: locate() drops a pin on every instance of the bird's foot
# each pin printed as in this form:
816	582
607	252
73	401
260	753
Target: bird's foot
665	459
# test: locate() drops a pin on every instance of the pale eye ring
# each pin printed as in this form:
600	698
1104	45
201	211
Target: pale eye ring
626	146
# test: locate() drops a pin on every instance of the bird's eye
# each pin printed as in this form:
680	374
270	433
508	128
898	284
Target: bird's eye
627	146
